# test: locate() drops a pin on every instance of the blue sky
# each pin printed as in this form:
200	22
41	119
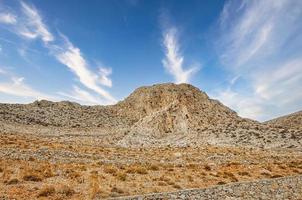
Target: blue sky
247	54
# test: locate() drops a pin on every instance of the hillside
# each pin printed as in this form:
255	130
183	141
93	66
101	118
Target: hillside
291	121
162	114
195	109
162	139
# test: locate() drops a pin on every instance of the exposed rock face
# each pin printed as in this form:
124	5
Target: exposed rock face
291	121
161	114
170	108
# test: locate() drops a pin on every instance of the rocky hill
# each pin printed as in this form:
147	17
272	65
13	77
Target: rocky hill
163	114
291	121
182	105
164	139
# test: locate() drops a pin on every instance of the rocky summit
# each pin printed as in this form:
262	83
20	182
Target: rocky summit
166	141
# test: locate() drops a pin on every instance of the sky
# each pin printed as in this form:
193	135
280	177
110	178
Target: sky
247	54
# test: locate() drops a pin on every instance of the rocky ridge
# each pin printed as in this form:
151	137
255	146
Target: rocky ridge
162	114
291	121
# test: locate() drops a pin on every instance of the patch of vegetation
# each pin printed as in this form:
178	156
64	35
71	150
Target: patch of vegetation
47	191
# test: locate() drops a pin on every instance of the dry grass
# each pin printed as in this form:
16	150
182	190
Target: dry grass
110	170
121	176
138	169
133	171
65	190
93	185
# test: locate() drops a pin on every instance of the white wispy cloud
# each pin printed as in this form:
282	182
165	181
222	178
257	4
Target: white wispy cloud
104	74
260	41
245	105
2	71
71	57
173	61
82	96
281	84
7	18
33	26
16	86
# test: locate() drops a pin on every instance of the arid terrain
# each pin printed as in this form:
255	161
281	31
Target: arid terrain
161	139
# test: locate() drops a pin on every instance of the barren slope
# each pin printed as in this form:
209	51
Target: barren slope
158	115
291	121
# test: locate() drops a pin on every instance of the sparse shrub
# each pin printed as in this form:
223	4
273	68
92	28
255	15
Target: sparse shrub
203	174
231	176
70	173
137	169
190	178
192	166
207	167
233	163
122	167
117	190
176	186
244	173
110	170
162	183
66	191
121	176
221	183
167	180
12	181
282	166
153	167
47	191
82	167
171	169
93	185
296	171
141	170
295	164
163	178
269	168
32	177
266	174
276	176
47	172
31	159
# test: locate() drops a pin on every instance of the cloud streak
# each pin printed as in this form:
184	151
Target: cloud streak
82	96
34	26
30	25
259	41
173	61
16	86
7	18
72	58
